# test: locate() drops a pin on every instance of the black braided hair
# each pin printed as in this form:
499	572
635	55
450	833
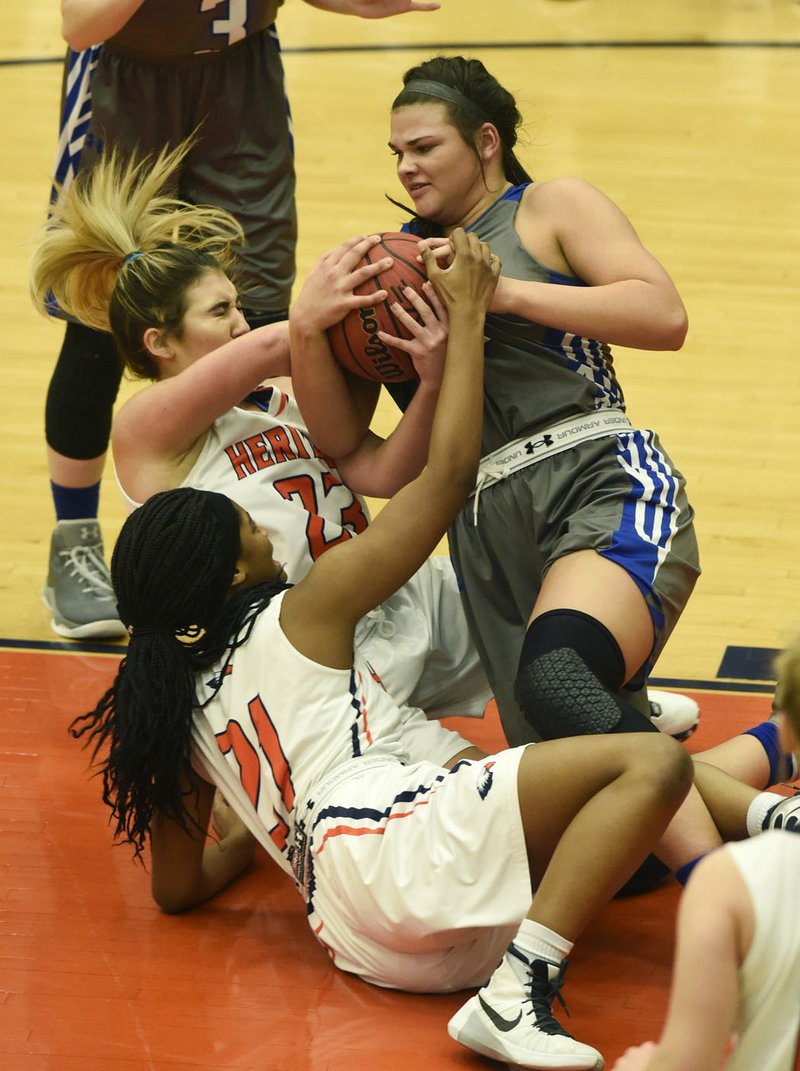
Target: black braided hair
171	572
491	100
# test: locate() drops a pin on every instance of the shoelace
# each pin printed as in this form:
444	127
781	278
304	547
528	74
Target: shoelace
542	994
88	565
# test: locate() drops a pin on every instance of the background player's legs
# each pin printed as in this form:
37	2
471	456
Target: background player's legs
596	825
78	412
756	756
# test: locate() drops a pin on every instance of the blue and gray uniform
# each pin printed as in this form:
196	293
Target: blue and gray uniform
619	494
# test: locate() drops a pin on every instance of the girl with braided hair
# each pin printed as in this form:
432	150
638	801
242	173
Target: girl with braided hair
418	858
122	253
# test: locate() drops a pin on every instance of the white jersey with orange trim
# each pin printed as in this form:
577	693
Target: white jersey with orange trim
263	458
279	724
418	638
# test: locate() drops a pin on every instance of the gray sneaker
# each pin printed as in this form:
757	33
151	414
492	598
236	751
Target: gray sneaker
78	591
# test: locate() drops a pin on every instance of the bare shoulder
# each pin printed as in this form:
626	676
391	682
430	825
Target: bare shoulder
128	417
715	870
548	211
561	194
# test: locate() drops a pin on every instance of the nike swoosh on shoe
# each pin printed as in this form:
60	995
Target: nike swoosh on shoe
502	1024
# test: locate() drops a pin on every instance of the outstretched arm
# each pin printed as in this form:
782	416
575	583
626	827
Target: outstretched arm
714	930
160	424
372	9
380	467
319	615
88	22
186	870
336	406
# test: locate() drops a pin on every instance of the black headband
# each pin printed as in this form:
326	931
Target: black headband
441	92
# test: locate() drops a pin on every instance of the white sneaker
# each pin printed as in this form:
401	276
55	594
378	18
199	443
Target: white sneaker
672	713
511	1019
784	815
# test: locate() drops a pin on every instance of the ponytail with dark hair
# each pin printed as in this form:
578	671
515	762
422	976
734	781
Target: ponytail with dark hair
171	570
472	97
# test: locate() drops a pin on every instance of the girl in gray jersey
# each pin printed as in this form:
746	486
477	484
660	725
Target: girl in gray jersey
576	552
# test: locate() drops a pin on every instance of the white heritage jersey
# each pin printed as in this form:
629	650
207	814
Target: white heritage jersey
265	461
280	724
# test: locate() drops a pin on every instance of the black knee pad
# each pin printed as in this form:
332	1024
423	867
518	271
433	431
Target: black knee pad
570	671
82	392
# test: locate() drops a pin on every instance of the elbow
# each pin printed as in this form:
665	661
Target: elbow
462	483
78	39
173	901
677	329
670	324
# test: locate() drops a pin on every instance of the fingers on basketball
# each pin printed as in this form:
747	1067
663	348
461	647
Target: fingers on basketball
355	342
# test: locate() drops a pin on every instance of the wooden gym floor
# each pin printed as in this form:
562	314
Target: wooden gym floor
685	112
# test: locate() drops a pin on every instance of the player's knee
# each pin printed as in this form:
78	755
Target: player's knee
560	696
82	391
570	670
664	765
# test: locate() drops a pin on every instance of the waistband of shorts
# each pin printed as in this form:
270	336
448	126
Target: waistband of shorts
299	852
526	451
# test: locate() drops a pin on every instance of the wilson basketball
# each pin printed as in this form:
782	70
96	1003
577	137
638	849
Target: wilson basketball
354	341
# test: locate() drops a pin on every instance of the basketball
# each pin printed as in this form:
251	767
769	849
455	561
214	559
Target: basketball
354	341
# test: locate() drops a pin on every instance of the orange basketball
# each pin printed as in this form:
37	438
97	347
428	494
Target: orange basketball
354	341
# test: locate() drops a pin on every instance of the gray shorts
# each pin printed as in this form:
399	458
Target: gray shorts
620	496
243	160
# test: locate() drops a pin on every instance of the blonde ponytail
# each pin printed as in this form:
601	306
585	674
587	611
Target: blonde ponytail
118	245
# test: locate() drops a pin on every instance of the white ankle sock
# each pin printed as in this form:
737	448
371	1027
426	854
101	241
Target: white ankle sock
541	943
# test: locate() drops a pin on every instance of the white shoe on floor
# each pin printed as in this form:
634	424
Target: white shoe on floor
511	1019
672	713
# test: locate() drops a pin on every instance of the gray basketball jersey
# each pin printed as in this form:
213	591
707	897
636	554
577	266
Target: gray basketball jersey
535	376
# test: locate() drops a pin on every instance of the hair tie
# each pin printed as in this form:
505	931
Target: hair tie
441	92
131	257
150	630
